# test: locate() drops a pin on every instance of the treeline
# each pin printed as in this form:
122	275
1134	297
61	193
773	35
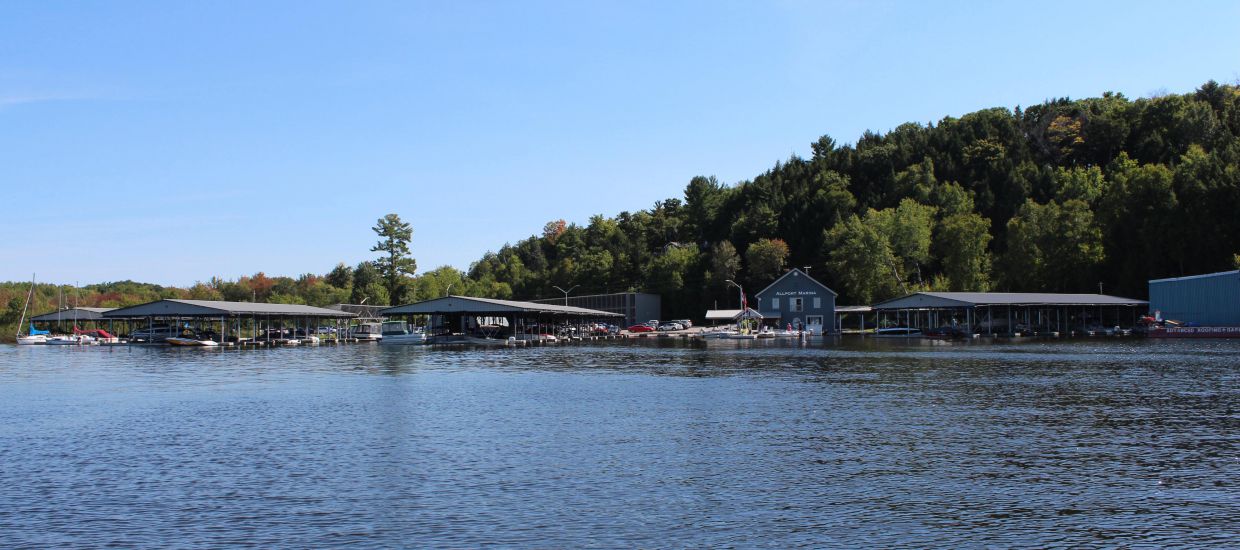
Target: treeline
1059	197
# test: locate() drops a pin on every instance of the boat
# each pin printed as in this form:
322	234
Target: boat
33	335
189	338
400	333
152	334
366	331
488	341
897	332
945	333
71	340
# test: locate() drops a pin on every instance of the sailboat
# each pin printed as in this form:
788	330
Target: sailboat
33	336
75	339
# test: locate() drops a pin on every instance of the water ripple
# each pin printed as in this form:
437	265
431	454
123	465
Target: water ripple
647	444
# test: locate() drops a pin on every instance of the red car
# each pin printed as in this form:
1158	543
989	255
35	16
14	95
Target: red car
640	328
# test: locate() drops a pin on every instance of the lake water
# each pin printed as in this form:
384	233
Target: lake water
643	444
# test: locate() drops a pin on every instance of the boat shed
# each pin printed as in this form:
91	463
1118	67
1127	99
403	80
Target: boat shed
230	317
844	311
76	316
732	315
490	317
79	313
1011	313
798	300
1212	299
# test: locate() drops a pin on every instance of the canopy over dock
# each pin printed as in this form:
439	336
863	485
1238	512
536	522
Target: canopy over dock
213	309
1011	312
79	313
732	314
450	305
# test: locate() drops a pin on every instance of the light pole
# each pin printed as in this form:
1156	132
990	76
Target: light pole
565	292
740	291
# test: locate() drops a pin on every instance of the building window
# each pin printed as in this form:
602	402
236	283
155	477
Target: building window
817	302
774	303
796	304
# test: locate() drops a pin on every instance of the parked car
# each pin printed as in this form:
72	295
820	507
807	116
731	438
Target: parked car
671	326
640	328
683	322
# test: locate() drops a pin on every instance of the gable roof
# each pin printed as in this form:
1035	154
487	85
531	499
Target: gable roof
732	314
81	313
798	273
216	308
470	304
974	299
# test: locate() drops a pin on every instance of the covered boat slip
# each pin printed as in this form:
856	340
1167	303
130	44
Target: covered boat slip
466	320
245	323
1013	313
85	317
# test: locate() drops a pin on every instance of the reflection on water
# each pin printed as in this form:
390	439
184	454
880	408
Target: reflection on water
653	443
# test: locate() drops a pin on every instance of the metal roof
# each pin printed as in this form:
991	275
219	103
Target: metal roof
214	308
973	299
731	314
1202	276
853	309
81	313
797	273
469	304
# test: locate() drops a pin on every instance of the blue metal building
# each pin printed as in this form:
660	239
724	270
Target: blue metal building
1212	299
799	300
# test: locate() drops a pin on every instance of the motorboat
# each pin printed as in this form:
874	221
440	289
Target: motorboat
897	332
366	331
189	338
400	333
71	340
152	334
488	341
946	333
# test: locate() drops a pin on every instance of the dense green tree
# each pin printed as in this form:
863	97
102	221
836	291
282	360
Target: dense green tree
725	263
1053	247
861	260
341	276
366	286
962	241
395	264
766	259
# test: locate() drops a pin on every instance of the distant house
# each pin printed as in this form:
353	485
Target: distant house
799	300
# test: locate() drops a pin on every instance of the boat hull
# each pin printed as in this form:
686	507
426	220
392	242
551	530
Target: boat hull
190	342
36	340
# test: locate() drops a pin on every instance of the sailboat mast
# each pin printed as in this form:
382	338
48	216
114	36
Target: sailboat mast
29	295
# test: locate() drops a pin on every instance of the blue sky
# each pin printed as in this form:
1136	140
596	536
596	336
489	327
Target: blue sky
170	142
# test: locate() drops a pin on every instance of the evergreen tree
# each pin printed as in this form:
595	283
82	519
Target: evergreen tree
396	264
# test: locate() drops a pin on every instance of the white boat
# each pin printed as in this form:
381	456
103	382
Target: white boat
897	332
486	341
33	339
33	336
366	331
400	333
71	340
190	341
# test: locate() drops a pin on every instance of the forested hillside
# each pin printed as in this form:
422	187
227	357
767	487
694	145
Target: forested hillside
1057	197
